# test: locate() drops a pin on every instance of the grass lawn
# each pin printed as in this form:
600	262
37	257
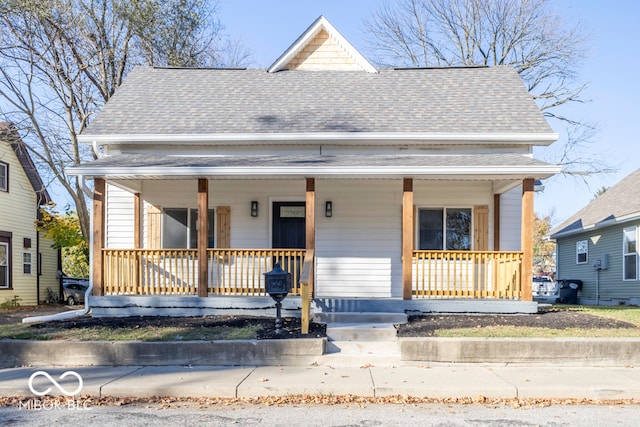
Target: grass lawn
53	331
625	314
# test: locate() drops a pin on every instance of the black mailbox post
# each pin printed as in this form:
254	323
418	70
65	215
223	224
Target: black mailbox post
277	283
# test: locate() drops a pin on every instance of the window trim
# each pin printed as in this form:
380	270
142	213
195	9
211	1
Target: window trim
25	264
586	252
4	170
444	209
625	254
189	226
5	240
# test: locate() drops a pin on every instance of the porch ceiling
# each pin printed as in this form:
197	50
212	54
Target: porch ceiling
466	167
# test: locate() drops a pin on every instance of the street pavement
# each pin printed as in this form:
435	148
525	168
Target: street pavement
420	381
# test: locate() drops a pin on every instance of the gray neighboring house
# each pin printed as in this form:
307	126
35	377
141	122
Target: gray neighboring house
598	245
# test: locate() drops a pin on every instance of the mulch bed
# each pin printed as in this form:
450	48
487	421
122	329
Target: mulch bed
418	326
291	327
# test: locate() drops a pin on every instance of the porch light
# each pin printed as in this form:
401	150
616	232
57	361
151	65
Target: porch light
328	209
538	186
254	208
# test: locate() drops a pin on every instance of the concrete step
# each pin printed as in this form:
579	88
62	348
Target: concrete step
382	348
360	317
373	332
360	354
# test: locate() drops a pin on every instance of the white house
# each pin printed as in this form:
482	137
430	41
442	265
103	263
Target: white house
398	185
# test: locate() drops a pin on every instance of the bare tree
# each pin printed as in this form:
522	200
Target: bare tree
61	60
525	34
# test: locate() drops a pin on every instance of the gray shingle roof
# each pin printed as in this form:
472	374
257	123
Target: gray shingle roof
620	201
160	101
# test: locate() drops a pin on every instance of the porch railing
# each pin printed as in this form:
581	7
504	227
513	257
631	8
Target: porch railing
175	271
467	274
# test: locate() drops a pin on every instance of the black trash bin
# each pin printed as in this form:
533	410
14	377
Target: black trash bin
568	291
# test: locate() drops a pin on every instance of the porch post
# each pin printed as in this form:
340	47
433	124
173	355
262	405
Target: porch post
407	238
98	235
496	222
203	226
527	238
137	221
310	214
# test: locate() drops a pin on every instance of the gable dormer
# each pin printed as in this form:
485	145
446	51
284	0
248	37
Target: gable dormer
322	47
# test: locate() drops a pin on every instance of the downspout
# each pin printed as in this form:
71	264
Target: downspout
87	294
597	286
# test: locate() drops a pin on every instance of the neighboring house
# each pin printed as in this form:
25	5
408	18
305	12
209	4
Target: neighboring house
28	263
599	245
399	186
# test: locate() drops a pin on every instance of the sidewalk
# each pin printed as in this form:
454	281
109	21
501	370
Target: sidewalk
446	381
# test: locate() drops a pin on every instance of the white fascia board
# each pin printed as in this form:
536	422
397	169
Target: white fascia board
332	171
301	138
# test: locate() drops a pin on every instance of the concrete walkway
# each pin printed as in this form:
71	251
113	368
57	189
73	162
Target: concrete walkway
445	381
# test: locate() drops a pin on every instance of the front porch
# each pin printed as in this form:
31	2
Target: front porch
165	282
240	272
356	258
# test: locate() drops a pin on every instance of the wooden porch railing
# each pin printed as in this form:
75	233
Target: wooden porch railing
175	271
241	271
467	274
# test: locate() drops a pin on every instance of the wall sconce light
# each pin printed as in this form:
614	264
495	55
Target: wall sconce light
254	208
328	209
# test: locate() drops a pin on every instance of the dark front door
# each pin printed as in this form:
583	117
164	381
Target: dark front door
289	232
289	225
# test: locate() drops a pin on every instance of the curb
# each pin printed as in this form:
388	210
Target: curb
577	352
554	351
292	352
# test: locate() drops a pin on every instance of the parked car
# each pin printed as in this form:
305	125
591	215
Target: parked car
544	289
74	289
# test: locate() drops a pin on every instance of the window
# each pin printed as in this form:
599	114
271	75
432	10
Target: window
180	228
5	263
4	176
630	254
26	262
582	252
445	228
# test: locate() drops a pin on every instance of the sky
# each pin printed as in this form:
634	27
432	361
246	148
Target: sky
610	70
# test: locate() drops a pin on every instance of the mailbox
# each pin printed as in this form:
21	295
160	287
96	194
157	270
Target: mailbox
277	282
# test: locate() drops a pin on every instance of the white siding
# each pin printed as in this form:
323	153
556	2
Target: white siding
358	249
510	219
119	225
246	231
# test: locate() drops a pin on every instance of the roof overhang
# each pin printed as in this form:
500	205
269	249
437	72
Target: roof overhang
504	169
302	138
